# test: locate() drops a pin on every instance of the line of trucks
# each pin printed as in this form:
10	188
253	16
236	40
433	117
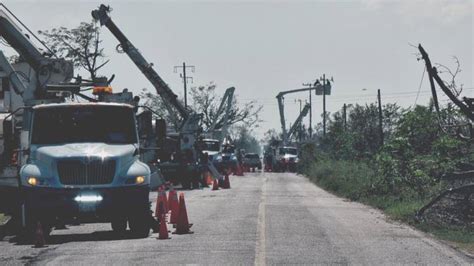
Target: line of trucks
66	160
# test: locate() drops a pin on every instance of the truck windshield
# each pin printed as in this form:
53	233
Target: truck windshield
291	151
252	156
75	124
210	146
228	149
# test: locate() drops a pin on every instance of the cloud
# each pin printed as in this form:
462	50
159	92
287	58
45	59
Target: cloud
414	11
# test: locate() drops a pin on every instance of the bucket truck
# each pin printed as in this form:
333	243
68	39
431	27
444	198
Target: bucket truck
223	154
63	161
183	165
285	156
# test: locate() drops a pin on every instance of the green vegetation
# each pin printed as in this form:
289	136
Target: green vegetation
398	177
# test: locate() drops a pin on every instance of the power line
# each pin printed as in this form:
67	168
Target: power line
421	83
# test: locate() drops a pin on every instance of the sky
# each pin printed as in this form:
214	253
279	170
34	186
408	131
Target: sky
264	47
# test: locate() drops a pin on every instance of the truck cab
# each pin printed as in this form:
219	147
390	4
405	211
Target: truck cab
229	158
287	158
212	148
83	164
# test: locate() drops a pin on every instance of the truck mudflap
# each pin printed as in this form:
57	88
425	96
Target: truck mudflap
86	204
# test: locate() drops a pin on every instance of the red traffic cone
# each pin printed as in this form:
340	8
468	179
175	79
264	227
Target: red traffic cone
174	207
183	225
39	236
163	234
165	202
226	181
208	178
215	184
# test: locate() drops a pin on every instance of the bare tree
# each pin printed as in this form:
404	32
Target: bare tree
81	45
451	83
205	100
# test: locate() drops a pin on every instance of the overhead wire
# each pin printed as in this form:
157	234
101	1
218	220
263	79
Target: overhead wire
421	83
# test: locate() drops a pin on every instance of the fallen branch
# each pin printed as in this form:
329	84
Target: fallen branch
466	189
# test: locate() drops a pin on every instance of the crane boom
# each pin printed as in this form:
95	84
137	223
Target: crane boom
102	15
281	105
298	120
47	70
13	35
227	103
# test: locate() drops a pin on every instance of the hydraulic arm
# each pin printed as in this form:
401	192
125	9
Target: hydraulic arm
227	104
298	120
281	106
48	70
101	14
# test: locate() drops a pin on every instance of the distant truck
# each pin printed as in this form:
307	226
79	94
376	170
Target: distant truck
252	161
281	159
287	159
211	147
229	160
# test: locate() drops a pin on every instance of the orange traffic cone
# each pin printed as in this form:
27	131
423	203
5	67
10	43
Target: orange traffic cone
163	234
174	207
165	202
183	225
208	178
226	181
215	185
39	241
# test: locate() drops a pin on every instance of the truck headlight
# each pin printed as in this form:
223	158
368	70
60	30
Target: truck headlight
32	181
139	180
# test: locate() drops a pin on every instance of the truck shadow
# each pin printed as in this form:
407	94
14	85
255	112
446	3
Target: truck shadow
76	237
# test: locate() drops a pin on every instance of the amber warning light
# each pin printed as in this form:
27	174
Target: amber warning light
102	90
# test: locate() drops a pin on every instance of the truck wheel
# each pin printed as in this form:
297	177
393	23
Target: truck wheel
119	225
140	225
186	184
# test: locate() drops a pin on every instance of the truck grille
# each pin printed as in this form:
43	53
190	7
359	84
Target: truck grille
93	172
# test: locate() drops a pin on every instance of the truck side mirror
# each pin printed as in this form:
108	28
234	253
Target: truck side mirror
145	126
160	129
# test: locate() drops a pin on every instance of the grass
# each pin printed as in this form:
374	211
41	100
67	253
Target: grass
355	180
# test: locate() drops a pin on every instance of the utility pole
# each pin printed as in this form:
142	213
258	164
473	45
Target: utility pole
324	104
344	114
185	79
310	111
380	118
323	79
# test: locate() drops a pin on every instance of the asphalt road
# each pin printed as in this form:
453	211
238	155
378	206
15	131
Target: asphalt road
264	218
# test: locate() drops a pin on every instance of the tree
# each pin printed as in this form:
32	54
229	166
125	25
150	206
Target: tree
205	100
81	45
160	110
244	139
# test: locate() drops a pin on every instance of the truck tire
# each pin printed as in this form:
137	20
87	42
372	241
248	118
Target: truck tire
140	225
186	184
119	225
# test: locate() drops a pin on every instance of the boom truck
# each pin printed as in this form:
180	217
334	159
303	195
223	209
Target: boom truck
64	161
285	155
226	158
184	165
